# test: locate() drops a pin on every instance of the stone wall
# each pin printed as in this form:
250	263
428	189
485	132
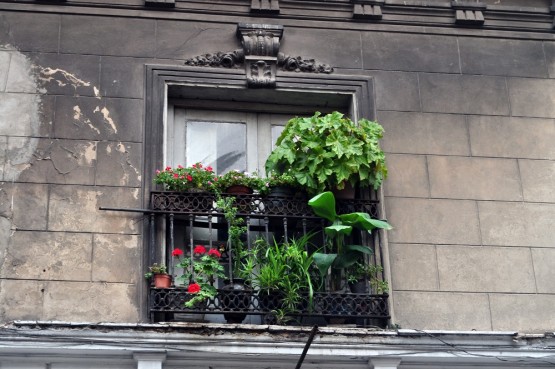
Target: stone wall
470	125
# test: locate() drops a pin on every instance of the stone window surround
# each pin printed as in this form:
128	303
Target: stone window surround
161	78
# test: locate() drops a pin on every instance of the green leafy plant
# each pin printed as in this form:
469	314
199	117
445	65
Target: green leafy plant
196	177
278	180
342	255
199	273
325	152
156	269
361	271
235	177
236	230
284	269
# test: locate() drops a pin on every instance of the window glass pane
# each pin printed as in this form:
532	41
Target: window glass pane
223	146
276	132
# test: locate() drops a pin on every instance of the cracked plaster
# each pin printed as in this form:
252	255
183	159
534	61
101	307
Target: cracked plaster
27	155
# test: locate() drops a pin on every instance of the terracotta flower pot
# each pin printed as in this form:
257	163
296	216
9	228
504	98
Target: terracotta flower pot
162	280
239	190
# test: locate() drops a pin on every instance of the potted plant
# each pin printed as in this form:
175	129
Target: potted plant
200	271
158	273
328	152
342	255
360	274
238	183
236	292
196	178
279	184
283	276
279	191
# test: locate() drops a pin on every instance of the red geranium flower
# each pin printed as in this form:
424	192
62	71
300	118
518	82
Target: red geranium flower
215	253
189	178
168	168
180	166
193	288
199	249
177	252
209	168
175	175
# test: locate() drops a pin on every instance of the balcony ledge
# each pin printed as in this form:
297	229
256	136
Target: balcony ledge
255	346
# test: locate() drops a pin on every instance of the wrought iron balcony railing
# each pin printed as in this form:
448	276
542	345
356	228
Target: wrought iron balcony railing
183	220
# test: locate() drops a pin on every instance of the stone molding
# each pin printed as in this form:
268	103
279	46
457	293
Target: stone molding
160	3
469	13
367	9
518	22
265	6
260	56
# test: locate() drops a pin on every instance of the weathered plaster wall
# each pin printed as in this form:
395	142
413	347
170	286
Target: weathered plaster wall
62	158
470	122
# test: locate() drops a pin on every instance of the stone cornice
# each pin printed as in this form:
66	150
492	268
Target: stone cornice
407	16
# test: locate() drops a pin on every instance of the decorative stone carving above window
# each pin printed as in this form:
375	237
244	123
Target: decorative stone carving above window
367	9
469	13
260	56
265	6
160	3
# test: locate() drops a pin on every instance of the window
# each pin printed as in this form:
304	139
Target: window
225	140
209	115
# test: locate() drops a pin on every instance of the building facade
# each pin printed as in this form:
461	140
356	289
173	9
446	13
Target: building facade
91	99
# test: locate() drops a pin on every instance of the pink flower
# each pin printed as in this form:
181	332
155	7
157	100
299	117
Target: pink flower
208	168
168	168
157	171
199	249
215	253
194	165
175	175
179	166
193	288
177	252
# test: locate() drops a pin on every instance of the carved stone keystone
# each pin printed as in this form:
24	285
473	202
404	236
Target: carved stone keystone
261	47
260	56
469	13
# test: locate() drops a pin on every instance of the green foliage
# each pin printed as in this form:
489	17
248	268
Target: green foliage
206	292
278	180
284	269
344	256
201	269
235	177
156	269
236	230
327	151
372	273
